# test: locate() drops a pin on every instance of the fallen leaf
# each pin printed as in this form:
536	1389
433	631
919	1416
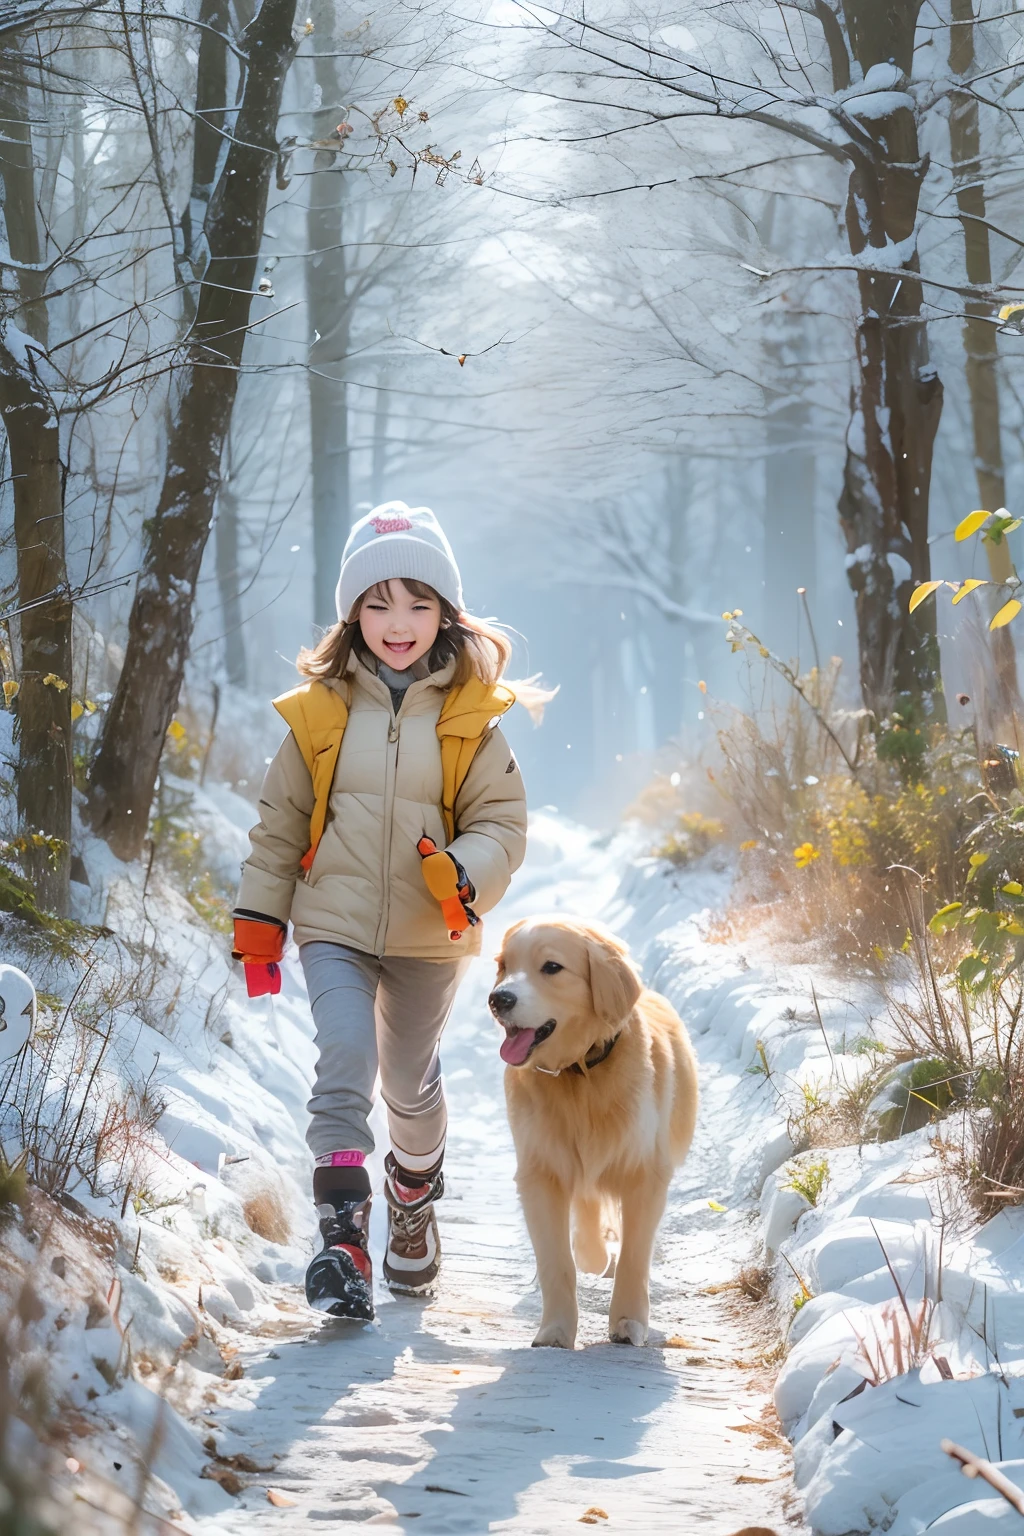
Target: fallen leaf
51	680
601	1514
11	690
715	1206
228	1479
280	1500
400	105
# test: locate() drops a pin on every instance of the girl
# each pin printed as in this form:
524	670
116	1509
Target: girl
391	816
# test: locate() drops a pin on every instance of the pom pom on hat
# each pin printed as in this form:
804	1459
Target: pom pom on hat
396	541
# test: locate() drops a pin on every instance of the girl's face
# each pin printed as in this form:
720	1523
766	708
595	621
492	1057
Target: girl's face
397	626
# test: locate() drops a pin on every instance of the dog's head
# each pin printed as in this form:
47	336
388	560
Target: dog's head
563	987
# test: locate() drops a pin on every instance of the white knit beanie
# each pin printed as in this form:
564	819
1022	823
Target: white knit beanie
395	541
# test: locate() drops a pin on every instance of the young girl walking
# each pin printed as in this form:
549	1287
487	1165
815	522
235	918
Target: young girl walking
392	816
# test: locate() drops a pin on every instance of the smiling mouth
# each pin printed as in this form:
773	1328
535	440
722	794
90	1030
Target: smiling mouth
519	1044
399	645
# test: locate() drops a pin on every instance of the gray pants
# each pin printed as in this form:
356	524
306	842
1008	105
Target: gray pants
387	1013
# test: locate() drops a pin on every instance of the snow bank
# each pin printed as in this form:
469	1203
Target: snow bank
911	1336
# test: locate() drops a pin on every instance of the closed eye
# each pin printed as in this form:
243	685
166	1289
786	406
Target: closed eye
551	968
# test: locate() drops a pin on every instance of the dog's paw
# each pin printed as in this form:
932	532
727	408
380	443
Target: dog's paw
627	1331
555	1336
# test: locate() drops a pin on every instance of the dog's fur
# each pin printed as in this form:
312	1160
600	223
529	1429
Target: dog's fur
600	1146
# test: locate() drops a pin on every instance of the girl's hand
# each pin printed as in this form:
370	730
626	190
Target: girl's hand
448	883
259	944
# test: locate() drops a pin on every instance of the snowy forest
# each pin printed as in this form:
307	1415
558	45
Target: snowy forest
700	329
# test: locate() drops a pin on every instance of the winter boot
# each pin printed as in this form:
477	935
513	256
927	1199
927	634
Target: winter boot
339	1281
413	1255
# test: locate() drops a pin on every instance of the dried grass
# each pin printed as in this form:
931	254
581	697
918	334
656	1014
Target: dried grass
265	1215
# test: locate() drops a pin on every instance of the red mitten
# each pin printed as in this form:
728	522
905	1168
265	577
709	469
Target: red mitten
259	944
262	979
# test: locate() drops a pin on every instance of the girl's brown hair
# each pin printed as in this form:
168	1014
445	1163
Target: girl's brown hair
477	649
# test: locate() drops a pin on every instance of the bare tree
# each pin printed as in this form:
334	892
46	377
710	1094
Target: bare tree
33	435
981	347
125	769
834	79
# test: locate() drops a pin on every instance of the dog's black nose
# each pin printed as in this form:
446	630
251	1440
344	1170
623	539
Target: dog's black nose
502	1000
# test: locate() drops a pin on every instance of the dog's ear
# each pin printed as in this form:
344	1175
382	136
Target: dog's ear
614	983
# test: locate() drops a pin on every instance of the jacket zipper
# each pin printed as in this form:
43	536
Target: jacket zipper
390	777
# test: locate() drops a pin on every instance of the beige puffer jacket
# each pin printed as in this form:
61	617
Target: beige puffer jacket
365	887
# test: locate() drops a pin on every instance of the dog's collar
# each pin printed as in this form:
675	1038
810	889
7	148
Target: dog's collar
595	1061
589	1061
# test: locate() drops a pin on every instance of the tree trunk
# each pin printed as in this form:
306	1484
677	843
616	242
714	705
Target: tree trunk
896	398
379	456
160	626
327	299
211	123
228	554
979	334
43	707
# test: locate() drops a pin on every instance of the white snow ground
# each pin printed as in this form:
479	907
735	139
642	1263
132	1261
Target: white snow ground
440	1417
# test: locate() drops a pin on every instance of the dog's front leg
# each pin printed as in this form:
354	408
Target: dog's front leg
546	1208
628	1316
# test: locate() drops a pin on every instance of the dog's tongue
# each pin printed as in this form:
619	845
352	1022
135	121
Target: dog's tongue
516	1046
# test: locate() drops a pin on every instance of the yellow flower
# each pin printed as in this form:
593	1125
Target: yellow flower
51	680
176	731
805	854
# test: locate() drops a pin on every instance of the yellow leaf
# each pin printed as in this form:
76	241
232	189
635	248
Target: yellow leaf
969	524
11	690
176	731
279	1500
1009	310
400	105
1013	524
51	680
77	710
966	587
1007	612
751	842
920	593
90	707
977	859
1013	888
715	1206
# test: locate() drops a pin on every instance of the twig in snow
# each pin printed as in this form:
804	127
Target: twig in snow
976	1466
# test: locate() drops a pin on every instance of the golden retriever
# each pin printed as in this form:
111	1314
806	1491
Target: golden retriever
601	1087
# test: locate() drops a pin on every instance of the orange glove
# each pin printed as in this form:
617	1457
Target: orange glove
448	883
259	944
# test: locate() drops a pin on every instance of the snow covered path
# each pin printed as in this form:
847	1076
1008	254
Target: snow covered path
440	1418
